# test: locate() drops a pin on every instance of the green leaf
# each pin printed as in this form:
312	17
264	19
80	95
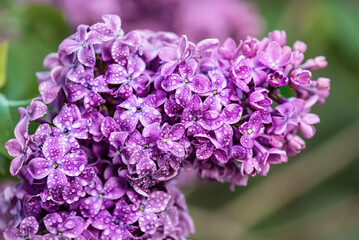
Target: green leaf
8	120
3	58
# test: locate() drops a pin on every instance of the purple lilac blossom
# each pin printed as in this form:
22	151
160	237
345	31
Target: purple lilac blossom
120	116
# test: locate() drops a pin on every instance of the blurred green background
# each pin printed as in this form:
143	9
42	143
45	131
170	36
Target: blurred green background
314	196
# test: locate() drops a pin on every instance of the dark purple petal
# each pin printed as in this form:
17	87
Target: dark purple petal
39	168
115	188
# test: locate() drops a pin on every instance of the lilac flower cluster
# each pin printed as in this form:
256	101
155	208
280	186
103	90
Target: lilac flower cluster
120	115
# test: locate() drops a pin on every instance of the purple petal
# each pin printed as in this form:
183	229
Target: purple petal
307	130
75	226
172	82
128	121
36	109
177	131
39	168
86	56
90	206
74	163
168	54
51	221
56	179
158	201
102	220
311	118
200	84
149	115
115	188
183	95
29	226
13	147
13	234
189	68
224	134
177	150
232	113
221	155
148	222
145	167
16	165
116	74
247	141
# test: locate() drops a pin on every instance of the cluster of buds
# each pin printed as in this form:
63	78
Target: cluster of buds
121	115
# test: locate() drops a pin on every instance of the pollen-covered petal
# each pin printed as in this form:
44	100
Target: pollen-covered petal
73	163
39	168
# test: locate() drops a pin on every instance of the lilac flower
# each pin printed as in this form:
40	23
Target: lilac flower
70	126
82	43
197	119
28	228
251	130
130	79
101	195
277	79
274	56
185	82
172	56
18	147
219	95
116	225
259	99
300	78
147	209
116	44
89	90
167	137
57	164
63	226
137	110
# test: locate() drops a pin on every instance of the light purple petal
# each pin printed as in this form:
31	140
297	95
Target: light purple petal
56	179
73	163
172	82
51	221
148	222
86	56
158	201
200	84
